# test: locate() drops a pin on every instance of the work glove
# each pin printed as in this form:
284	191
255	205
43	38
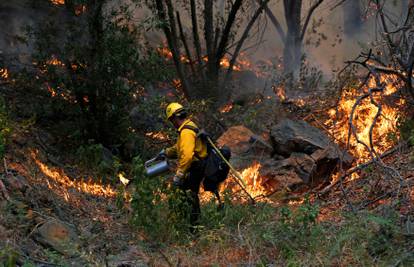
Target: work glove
162	155
178	179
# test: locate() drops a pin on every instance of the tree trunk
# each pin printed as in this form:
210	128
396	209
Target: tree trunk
293	46
210	89
172	39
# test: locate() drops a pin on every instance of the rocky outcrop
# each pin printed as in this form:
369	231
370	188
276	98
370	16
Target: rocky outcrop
299	154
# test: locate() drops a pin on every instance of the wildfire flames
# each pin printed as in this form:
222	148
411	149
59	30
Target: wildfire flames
252	179
241	63
4	74
251	176
58	2
280	92
54	62
160	136
364	117
226	108
61	180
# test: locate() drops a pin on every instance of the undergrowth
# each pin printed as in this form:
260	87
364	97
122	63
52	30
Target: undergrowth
283	236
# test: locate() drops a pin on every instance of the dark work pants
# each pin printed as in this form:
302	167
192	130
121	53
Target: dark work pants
192	184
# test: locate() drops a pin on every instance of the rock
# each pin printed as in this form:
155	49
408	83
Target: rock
132	256
237	138
290	136
308	150
290	172
16	183
60	236
302	155
273	175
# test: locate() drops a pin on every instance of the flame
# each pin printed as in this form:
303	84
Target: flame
62	180
280	92
158	136
226	108
225	63
54	62
4	73
251	177
176	83
364	116
299	102
240	64
79	9
165	52
296	202
52	91
58	2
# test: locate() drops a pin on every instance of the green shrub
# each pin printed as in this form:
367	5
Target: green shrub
101	71
160	211
99	159
5	127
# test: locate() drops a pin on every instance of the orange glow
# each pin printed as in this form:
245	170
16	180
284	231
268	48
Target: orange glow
296	202
157	135
4	73
226	108
52	91
225	63
299	102
58	179
364	116
54	62
165	52
80	9
251	177
58	2
176	83
280	92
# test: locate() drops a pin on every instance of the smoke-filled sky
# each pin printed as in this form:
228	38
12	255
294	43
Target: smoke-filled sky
328	48
329	54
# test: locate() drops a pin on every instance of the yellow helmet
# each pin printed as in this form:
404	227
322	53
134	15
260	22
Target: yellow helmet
172	109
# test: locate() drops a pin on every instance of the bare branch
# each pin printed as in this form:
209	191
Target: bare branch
308	17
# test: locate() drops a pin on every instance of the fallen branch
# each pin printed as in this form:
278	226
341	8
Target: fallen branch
361	167
2	186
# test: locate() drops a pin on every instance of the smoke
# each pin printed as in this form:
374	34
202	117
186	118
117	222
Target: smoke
333	36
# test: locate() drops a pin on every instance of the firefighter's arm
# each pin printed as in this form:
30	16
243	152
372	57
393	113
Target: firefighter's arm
171	152
186	148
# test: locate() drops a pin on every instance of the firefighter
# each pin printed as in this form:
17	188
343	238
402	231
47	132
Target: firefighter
190	150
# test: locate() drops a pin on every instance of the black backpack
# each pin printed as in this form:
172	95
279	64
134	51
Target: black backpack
215	169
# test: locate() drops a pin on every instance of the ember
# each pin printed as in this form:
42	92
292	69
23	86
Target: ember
226	108
4	74
54	62
280	92
157	135
58	2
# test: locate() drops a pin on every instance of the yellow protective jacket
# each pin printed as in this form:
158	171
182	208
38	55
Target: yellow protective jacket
187	149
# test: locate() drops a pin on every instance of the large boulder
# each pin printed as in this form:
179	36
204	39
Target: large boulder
290	136
299	154
60	236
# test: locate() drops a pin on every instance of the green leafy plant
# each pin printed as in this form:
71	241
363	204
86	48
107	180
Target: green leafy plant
99	159
5	127
8	257
160	211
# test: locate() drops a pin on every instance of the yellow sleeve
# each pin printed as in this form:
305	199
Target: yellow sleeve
171	152
185	146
